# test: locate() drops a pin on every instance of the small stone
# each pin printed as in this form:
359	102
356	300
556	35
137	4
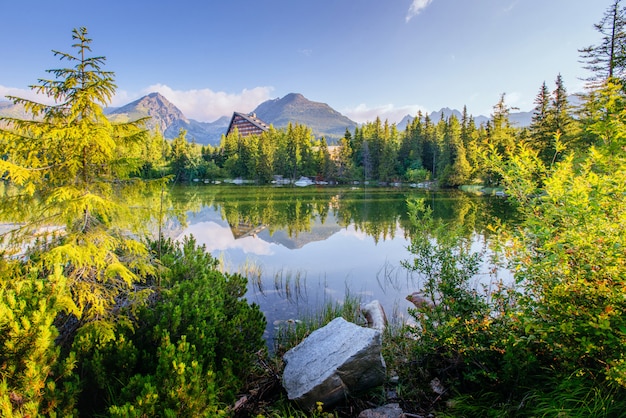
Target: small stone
391	410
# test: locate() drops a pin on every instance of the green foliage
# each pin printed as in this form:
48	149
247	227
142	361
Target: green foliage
573	267
569	256
417	174
184	158
608	59
75	269
462	335
188	352
67	168
179	387
577	397
283	408
29	305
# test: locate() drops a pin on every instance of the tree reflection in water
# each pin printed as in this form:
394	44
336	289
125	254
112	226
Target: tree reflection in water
303	247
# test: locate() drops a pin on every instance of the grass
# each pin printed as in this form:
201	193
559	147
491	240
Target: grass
292	333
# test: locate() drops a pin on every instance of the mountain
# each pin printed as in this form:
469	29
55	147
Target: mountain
295	108
519	119
169	119
8	109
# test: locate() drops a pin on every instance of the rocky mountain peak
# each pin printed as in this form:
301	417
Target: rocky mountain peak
162	112
295	108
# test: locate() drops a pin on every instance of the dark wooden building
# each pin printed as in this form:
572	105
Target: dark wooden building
247	124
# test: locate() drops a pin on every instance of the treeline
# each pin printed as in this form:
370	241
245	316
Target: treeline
447	150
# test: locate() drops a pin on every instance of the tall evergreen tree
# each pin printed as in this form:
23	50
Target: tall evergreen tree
469	136
267	154
560	120
502	133
540	127
344	160
411	150
560	112
70	188
608	59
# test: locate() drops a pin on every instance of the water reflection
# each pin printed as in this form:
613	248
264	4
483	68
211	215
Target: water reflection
301	248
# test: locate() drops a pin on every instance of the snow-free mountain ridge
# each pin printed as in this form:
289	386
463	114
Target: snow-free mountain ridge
294	107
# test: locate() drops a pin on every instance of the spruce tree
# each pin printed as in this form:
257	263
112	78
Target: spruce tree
540	129
69	186
608	59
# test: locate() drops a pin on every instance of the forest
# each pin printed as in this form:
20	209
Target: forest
447	150
100	315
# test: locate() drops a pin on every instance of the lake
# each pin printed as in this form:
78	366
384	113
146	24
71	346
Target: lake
303	247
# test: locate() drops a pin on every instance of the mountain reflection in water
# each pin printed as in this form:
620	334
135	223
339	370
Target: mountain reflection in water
301	249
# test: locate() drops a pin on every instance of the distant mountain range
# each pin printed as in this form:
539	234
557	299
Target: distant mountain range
294	108
519	119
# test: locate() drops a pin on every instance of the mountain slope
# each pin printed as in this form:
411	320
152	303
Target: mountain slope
170	120
161	111
295	108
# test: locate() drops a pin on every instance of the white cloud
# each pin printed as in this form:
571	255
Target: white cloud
205	105
416	7
24	94
362	113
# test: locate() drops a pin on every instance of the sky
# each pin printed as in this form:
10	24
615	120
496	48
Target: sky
364	58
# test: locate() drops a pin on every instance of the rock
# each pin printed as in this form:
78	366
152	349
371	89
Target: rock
333	362
417	299
391	410
375	315
437	387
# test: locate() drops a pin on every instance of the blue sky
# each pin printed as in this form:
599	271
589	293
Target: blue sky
362	57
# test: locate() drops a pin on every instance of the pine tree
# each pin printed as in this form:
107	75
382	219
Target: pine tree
608	59
502	133
540	128
412	144
267	152
344	161
469	136
561	119
69	188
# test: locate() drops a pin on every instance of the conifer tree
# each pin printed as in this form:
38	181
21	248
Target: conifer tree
469	136
267	151
345	163
540	128
560	112
608	59
69	189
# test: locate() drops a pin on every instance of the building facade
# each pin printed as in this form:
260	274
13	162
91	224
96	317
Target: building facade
246	124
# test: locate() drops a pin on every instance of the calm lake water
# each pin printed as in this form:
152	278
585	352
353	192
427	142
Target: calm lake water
303	247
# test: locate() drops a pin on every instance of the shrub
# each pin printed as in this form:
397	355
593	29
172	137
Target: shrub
465	333
187	352
29	358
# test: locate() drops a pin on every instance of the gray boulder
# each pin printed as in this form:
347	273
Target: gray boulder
333	362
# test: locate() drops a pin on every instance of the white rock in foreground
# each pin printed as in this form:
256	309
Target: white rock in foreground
337	360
